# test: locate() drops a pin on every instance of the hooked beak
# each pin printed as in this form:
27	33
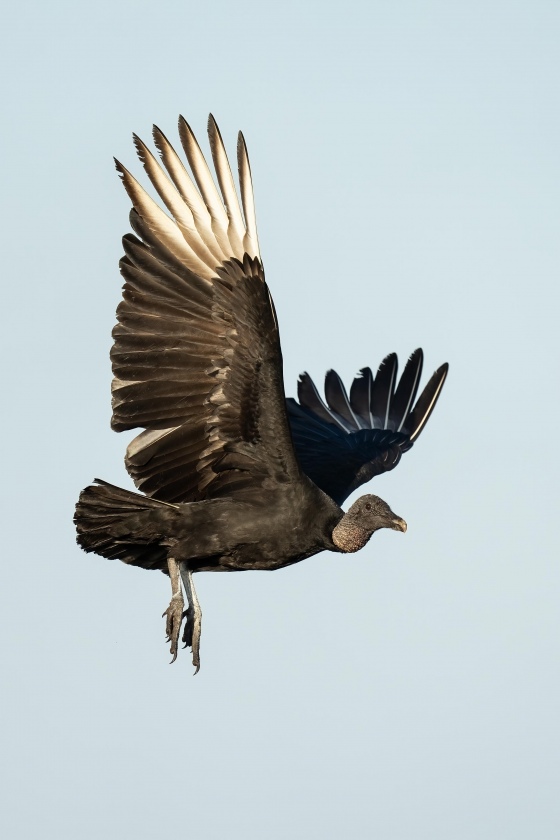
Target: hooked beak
398	524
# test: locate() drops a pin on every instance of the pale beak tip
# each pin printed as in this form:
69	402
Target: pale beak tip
399	524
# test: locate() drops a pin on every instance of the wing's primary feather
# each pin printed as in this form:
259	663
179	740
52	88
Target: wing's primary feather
236	226
207	188
407	389
250	240
338	401
426	403
309	398
360	397
189	193
167	232
179	209
382	391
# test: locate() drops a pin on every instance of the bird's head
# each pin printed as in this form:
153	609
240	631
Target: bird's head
367	515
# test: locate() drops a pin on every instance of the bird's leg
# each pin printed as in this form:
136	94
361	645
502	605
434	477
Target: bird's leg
174	611
191	633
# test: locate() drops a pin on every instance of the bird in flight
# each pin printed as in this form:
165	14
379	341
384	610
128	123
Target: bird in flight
233	475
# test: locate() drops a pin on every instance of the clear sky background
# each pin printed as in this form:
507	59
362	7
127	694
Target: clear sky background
405	158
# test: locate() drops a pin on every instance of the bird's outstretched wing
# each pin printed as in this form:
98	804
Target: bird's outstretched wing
196	358
348	440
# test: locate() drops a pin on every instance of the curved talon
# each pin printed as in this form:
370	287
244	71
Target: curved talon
188	629
196	657
174	619
191	637
191	633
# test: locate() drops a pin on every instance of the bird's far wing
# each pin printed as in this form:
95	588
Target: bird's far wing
347	440
196	358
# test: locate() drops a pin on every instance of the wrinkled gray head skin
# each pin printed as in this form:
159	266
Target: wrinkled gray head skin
372	513
367	515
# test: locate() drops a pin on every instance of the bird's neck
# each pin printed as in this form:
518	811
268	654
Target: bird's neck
348	536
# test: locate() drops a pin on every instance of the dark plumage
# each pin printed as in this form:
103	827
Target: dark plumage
348	441
235	477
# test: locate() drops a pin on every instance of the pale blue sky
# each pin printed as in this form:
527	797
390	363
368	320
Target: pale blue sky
405	158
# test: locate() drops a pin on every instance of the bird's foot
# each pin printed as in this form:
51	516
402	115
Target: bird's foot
174	618
191	634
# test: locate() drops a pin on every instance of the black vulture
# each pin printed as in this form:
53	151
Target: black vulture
233	475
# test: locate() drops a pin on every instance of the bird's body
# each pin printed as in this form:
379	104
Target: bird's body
279	527
234	476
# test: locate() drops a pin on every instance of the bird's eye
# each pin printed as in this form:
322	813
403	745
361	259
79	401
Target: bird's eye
368	506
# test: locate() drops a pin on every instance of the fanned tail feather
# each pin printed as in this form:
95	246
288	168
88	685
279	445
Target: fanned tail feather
107	517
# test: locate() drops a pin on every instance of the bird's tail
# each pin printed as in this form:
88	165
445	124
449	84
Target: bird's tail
107	520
